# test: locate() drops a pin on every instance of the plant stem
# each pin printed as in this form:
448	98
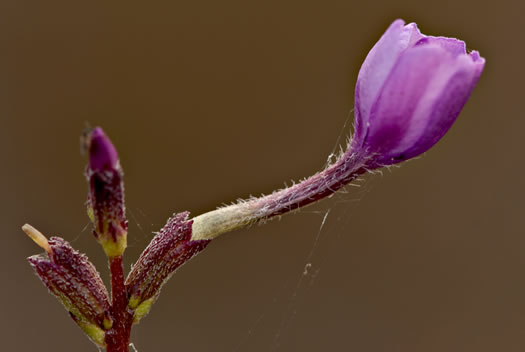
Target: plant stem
117	337
214	223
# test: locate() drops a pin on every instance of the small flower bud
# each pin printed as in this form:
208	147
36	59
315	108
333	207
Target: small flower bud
102	153
106	207
167	251
409	92
71	277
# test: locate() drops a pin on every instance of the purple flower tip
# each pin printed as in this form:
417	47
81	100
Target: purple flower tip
102	153
410	90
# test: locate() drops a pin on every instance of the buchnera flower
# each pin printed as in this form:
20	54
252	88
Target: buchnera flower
410	90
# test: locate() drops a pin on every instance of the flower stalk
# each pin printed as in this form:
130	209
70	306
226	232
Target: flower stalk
216	222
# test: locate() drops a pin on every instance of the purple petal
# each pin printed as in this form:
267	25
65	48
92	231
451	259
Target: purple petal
440	106
479	65
102	153
392	111
420	100
377	66
454	46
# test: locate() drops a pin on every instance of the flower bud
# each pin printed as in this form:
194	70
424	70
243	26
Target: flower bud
409	92
167	251
71	277
102	153
106	207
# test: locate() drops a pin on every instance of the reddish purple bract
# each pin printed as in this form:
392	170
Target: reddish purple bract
71	277
168	250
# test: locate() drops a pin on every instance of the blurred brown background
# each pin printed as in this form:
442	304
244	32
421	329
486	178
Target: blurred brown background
208	101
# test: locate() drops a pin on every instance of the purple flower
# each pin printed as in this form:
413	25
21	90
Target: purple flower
409	92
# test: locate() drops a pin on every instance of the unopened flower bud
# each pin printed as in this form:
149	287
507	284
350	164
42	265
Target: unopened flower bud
102	153
71	277
167	251
106	207
409	92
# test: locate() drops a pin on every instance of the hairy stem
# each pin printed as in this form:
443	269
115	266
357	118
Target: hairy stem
117	337
214	223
